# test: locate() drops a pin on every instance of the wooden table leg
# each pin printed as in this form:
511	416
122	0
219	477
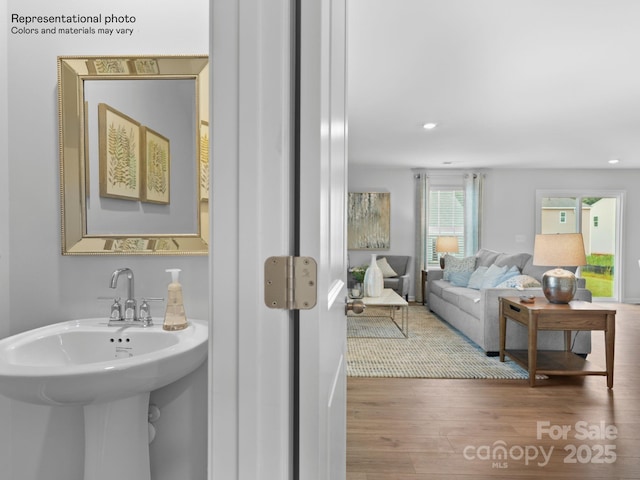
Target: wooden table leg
567	340
533	347
503	332
610	340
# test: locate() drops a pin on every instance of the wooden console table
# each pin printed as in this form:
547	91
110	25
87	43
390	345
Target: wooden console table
542	315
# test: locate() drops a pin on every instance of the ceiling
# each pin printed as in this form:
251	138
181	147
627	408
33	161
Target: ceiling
510	83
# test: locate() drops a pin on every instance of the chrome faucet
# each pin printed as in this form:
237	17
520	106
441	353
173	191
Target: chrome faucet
130	310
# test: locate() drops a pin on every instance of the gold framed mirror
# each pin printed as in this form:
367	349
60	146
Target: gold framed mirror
134	155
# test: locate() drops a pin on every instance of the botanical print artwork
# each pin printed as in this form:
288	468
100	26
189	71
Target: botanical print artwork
157	167
204	160
369	216
109	66
119	139
146	66
126	245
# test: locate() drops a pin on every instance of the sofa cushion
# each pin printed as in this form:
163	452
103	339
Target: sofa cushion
493	276
459	279
469	301
387	271
437	287
455	264
453	295
486	258
511	259
519	281
475	280
535	271
511	272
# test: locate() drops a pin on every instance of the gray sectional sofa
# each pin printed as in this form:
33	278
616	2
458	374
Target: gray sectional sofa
474	311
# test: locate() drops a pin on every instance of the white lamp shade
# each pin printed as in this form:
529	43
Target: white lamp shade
447	245
559	250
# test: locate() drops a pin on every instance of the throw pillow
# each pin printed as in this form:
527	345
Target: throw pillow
475	280
520	281
512	272
494	273
459	279
455	264
387	271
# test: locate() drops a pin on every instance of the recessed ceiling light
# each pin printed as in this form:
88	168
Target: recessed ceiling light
429	126
614	161
447	163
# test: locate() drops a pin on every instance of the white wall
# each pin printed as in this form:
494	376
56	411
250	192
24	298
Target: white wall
45	287
509	209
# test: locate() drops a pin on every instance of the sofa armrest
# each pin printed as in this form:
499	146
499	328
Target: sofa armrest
435	275
404	285
432	276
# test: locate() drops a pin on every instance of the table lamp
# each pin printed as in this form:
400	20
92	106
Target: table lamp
556	250
446	245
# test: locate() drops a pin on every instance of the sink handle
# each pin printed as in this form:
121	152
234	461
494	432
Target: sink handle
116	308
145	310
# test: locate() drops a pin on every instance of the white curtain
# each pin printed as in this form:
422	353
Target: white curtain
473	183
422	211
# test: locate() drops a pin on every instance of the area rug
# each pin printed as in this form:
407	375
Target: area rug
376	348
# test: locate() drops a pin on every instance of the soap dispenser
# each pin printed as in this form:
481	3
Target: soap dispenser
174	318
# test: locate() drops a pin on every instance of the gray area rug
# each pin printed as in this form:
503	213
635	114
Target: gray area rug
433	350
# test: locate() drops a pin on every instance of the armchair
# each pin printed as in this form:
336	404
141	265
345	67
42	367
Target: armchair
399	283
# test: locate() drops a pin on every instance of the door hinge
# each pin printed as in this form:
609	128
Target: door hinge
290	283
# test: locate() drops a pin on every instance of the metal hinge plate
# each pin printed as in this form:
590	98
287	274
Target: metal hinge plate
290	283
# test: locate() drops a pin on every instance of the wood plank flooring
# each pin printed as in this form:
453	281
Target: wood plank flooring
415	429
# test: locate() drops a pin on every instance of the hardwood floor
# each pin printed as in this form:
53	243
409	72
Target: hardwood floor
415	429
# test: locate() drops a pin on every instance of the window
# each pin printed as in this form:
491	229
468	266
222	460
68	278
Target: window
595	221
445	218
563	217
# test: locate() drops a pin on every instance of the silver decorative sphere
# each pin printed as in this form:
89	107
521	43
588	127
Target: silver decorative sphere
559	285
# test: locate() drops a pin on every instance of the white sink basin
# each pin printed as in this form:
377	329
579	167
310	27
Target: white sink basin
110	371
84	361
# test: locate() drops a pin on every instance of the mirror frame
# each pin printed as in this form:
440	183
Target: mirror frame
72	72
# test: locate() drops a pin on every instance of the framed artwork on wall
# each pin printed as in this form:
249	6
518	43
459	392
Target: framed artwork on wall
119	154
156	170
204	160
369	221
108	66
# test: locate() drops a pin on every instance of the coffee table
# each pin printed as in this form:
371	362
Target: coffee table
543	315
391	303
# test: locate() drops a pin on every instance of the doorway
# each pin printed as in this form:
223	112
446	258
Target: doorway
597	215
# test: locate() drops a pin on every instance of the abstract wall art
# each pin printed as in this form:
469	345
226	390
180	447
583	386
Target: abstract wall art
369	221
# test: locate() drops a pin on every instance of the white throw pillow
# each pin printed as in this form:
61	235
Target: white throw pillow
387	271
520	281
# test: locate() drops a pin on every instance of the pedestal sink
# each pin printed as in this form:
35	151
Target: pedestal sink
110	371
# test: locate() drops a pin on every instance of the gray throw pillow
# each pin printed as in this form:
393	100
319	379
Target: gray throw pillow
455	264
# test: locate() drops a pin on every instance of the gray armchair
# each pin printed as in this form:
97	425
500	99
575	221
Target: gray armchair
400	283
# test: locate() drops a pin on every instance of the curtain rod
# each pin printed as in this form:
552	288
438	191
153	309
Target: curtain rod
448	174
